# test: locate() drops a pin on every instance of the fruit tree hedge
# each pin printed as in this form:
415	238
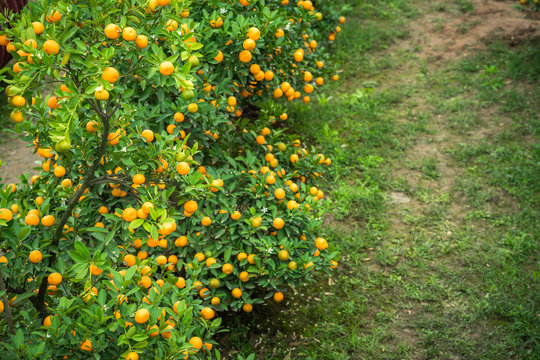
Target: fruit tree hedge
171	189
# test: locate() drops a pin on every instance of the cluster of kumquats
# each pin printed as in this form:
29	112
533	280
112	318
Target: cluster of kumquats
170	189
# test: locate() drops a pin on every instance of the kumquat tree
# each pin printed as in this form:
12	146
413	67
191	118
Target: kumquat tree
534	4
170	189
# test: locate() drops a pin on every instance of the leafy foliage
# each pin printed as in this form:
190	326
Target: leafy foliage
158	202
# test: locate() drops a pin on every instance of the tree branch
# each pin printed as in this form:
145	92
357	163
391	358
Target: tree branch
73	202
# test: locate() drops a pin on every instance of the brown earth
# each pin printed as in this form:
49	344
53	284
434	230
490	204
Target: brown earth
444	36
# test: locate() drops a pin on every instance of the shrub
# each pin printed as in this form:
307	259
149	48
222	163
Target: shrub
534	4
170	188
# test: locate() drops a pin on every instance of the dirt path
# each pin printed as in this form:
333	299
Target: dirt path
17	158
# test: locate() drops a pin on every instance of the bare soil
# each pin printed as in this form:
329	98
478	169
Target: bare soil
442	36
18	159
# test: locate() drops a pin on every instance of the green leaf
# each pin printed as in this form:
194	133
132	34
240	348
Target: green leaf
136	223
18	339
78	258
38	349
130	272
23	233
82	250
23	296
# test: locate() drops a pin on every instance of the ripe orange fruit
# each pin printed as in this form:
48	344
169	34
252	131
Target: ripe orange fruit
254	69
247	308
101	95
59	171
129	214
219	57
94	270
18	101
206	221
54	279
191	206
245	56
148	135
155	332
236	293
31	220
278	297
166	68
47	321
208	313
254	33
129	34
227	268
256	221
6	214
279	193
141	41
161	260
321	244
35	256
142	316
248	44
132	356
278	223
32	43
178	117
180	283
193	108
268	75
236	215
86	345
181	241
38	27
110	74
51	47
244	276
196	342
129	260
112	31
251	258
214	301
138	179
48	221
183	168
283	255
145	282
54	16
16	116
92	126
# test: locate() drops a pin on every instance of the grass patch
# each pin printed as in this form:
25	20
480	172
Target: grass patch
452	271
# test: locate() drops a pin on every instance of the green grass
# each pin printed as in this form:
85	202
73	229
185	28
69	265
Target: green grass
450	270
